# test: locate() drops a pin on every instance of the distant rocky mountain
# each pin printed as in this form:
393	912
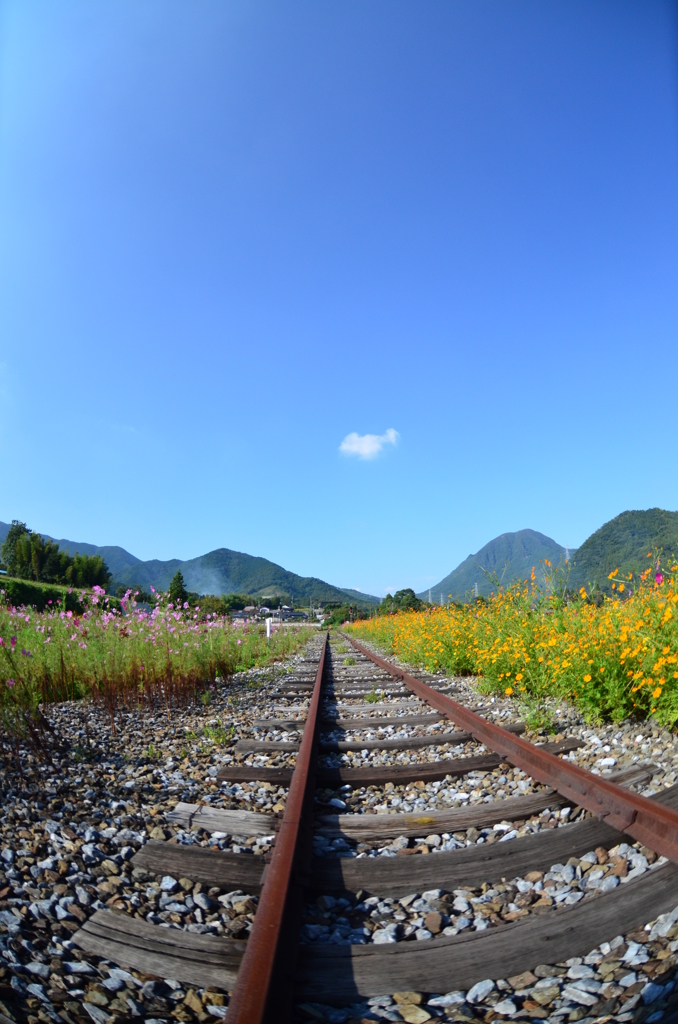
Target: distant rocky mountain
218	572
624	544
511	556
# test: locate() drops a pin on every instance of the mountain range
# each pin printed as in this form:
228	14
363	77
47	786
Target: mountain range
623	543
218	572
508	558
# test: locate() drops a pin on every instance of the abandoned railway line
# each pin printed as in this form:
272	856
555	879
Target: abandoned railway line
528	897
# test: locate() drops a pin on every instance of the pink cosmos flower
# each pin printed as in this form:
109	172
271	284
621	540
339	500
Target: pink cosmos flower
13	642
11	682
659	578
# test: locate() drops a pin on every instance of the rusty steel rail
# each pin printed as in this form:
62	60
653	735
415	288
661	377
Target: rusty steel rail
644	820
263	986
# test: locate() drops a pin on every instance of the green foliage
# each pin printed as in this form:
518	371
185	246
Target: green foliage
210	604
402	601
623	544
43	597
374	697
218	734
30	556
178	594
346	613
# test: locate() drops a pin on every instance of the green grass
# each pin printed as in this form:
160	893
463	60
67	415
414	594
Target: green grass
163	660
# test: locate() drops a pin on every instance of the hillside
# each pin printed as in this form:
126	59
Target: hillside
218	572
623	544
511	556
116	558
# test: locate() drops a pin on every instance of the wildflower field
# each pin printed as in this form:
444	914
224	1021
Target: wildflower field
614	660
129	658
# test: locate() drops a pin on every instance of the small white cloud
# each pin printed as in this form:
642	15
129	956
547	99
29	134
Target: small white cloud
368	446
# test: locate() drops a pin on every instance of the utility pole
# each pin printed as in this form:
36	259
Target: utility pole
429	595
475	589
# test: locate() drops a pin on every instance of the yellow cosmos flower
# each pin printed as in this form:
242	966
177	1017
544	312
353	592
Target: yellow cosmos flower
587	678
508	691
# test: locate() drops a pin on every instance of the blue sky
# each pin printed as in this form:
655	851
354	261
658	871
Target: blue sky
234	234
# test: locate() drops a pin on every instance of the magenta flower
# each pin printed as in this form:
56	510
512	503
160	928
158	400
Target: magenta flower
11	682
659	578
13	642
26	654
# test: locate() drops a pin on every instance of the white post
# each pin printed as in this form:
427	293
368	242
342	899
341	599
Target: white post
268	629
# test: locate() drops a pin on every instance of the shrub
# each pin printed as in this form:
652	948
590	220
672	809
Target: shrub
615	658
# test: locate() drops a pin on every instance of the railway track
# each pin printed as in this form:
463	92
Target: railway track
428	864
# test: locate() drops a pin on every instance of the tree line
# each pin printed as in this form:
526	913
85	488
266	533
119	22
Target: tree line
30	556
